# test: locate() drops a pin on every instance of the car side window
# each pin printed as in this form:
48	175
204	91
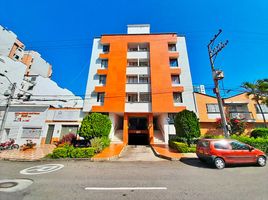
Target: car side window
221	145
203	143
238	146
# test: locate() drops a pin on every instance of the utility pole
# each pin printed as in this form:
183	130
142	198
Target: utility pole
218	75
10	97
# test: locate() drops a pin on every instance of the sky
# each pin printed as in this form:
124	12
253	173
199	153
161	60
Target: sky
62	31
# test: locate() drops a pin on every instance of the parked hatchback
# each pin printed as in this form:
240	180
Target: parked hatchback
227	151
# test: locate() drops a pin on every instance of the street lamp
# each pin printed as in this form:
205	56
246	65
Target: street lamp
10	97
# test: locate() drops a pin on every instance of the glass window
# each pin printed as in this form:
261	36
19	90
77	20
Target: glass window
173	62
143	79
143	63
175	79
100	97
177	97
171	117
263	107
102	79
238	146
132	79
213	108
104	63
132	97
106	48
172	47
203	143
145	97
221	145
132	62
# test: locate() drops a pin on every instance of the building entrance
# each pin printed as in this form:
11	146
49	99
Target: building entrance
138	133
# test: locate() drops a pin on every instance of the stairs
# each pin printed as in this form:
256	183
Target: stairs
118	137
158	137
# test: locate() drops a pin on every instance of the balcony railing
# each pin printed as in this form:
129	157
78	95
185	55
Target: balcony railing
241	115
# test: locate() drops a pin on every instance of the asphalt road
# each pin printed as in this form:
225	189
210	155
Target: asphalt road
189	179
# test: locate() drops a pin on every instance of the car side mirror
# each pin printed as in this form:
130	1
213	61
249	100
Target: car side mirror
251	148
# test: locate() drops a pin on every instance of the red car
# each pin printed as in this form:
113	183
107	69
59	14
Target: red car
227	151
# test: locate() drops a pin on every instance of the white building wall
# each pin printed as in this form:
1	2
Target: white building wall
185	77
39	66
138	70
93	78
138	107
166	128
138	87
139	54
7	40
138	29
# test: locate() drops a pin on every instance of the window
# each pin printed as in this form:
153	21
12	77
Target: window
30	87
172	47
33	78
171	117
221	145
143	63
132	79
134	47
100	97
106	48
263	107
143	79
132	97
239	146
104	63
175	79
173	62
177	97
16	57
102	79
213	108
132	62
145	97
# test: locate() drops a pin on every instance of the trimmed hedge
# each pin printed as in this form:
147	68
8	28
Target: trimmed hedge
259	143
182	147
70	152
259	132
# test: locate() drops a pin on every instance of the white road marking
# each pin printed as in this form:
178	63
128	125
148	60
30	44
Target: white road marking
41	169
125	188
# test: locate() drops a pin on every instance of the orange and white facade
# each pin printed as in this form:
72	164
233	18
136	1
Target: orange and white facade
140	80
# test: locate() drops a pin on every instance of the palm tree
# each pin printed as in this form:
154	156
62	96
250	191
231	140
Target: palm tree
259	91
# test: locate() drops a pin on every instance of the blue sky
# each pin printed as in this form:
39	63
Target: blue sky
62	31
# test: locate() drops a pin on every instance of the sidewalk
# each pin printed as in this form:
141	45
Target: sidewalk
109	153
28	155
164	151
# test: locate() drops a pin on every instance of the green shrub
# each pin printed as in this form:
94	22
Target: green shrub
259	132
60	152
182	147
95	125
82	152
187	125
97	144
105	141
259	143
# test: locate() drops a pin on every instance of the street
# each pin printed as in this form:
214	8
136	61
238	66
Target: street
187	179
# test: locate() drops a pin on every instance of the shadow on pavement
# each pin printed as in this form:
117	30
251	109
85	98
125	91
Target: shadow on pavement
195	162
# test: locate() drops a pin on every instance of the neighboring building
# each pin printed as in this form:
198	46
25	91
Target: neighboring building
140	80
239	106
36	96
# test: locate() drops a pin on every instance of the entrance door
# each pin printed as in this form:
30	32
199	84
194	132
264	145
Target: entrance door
49	133
138	131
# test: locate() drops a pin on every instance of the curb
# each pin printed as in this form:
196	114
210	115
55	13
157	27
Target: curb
163	156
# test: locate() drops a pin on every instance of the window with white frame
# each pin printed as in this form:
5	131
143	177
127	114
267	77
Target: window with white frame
175	79
213	108
134	47
172	47
263	107
131	97
143	79
104	63
102	79
177	97
145	97
132	78
143	62
100	97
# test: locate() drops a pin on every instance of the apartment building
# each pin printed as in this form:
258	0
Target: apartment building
140	79
239	106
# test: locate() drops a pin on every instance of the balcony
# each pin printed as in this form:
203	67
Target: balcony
242	115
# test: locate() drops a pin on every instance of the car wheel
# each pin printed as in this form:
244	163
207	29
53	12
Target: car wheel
16	146
219	163
261	161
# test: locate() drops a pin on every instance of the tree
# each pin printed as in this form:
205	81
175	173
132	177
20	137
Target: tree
95	125
259	91
187	125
